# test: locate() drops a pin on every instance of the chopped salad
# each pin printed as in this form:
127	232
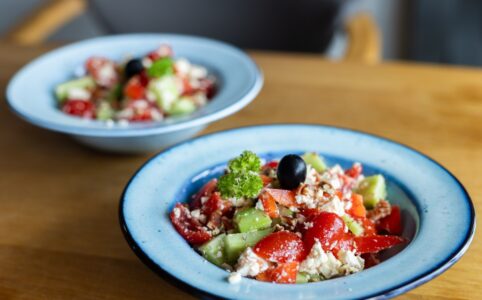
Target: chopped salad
290	221
148	88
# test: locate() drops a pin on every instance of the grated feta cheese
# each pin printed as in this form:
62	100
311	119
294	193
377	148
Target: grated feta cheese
351	263
334	206
259	205
234	278
311	175
183	66
321	262
177	212
250	264
78	94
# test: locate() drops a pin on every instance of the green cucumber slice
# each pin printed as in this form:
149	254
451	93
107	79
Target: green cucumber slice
236	243
62	90
166	91
181	107
302	277
250	219
373	189
353	225
313	159
213	251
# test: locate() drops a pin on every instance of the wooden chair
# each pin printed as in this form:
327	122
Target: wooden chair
363	44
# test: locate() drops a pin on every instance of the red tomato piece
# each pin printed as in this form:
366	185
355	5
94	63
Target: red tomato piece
102	70
134	89
187	88
269	205
376	243
205	191
270	165
328	228
266	179
80	108
371	260
283	197
345	243
162	51
391	224
283	273
368	226
188	227
281	247
355	170
216	203
357	208
207	86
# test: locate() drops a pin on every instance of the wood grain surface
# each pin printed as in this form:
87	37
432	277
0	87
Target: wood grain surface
60	237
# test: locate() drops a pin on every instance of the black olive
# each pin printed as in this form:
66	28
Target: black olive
133	67
291	171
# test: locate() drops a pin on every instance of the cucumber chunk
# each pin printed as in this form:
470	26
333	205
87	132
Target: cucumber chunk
373	189
181	107
104	112
250	219
353	225
213	251
315	161
302	277
166	91
62	90
236	243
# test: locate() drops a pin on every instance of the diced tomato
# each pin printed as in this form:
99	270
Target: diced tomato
283	197
391	224
345	243
216	203
143	78
357	208
270	165
207	86
162	51
134	89
310	213
371	260
269	205
187	88
355	170
102	70
328	228
376	243
188	227
80	108
281	247
368	226
283	273
266	179
205	191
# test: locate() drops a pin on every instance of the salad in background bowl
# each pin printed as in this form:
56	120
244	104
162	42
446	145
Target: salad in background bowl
102	111
168	229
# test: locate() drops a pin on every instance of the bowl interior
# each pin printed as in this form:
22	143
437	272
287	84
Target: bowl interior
437	212
30	92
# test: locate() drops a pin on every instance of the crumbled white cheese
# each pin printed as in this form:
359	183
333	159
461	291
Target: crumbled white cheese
198	71
334	206
196	213
321	262
308	225
204	199
140	105
177	212
106	74
332	176
351	263
183	66
78	94
311	175
250	264
234	278
239	202
259	205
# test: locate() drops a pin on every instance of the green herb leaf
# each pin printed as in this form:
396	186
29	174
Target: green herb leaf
161	67
242	178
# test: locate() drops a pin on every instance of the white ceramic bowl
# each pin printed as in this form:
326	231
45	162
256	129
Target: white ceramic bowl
30	92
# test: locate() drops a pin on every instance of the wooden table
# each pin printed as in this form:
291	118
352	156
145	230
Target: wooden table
59	232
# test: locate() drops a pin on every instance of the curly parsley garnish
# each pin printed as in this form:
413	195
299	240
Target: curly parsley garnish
242	178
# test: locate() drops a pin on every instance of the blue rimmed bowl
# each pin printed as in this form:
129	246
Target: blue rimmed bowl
438	214
30	91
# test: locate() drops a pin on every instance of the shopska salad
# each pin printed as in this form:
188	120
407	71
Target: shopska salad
148	88
292	221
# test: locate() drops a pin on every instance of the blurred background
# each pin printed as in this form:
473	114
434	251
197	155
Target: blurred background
439	31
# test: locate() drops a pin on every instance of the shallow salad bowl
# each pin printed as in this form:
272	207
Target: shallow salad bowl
438	215
30	93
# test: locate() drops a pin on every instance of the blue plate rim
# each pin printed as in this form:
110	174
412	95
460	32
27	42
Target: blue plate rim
159	128
385	294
